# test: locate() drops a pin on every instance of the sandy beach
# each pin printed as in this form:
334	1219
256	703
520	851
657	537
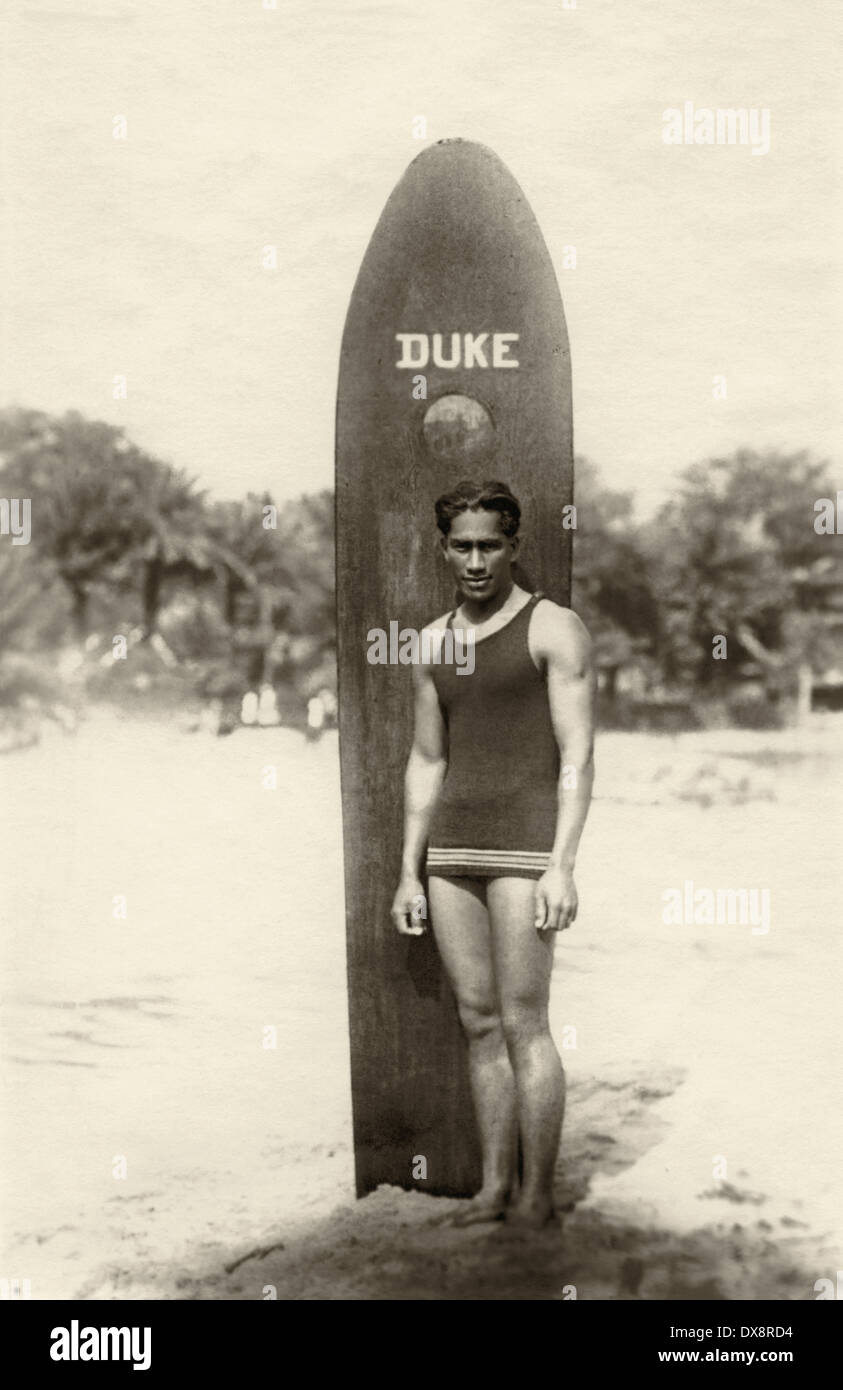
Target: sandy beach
154	1146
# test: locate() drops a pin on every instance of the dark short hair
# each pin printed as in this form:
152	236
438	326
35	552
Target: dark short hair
492	496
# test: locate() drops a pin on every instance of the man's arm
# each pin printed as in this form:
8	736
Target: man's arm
566	650
423	779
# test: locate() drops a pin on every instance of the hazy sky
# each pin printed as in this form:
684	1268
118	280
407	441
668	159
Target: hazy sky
248	126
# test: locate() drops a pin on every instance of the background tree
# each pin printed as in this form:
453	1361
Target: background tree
612	590
74	471
105	515
244	590
257	580
736	553
170	540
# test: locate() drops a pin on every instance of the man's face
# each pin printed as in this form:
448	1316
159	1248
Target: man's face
479	555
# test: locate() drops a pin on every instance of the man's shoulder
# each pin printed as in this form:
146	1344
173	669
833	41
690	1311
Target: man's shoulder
559	631
428	647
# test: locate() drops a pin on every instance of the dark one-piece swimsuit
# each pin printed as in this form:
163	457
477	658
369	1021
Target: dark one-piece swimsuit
496	813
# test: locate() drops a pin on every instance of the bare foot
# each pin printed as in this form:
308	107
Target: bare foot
530	1216
484	1206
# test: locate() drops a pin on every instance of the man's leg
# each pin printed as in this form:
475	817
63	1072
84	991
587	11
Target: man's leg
523	959
461	925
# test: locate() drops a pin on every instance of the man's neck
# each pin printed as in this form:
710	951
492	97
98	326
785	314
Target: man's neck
476	614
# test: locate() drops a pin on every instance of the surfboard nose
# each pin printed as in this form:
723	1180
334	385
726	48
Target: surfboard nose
453	151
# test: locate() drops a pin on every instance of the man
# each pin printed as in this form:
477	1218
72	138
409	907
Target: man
497	788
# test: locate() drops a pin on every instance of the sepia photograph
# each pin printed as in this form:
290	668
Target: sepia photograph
421	660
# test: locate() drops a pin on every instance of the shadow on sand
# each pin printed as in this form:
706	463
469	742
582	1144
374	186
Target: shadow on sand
397	1245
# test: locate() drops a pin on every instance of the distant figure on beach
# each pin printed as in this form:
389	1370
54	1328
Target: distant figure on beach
268	715
329	701
497	790
210	716
249	708
315	718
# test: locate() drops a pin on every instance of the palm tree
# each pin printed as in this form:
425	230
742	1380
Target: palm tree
73	471
253	566
169	533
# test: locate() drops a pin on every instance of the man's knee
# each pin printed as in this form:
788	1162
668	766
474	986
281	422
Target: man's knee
479	1019
523	1021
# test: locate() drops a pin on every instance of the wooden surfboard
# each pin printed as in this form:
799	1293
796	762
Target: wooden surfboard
454	364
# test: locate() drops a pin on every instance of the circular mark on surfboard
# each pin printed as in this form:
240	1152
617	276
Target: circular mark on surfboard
458	428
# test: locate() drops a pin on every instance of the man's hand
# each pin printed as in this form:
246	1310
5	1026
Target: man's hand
409	907
556	900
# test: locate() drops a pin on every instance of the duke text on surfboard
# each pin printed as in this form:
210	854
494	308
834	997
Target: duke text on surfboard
464	349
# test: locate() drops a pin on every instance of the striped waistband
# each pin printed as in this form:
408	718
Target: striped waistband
502	859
